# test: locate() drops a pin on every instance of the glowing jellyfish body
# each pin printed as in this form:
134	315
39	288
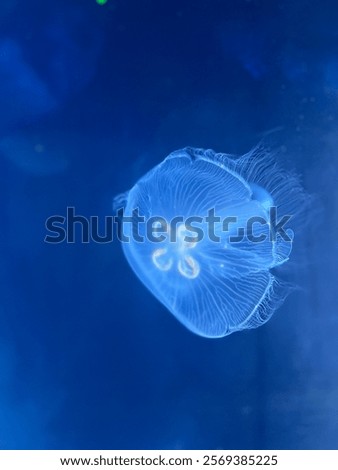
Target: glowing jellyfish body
215	281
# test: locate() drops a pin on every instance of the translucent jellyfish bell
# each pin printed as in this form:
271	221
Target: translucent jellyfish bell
214	276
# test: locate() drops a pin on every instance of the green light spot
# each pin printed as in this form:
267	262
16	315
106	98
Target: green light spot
101	2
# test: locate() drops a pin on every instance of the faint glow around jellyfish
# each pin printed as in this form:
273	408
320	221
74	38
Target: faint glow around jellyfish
101	2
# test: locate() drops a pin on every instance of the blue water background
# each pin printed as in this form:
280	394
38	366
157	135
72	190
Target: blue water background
91	98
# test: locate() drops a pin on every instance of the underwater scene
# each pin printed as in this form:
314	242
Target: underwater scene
169	233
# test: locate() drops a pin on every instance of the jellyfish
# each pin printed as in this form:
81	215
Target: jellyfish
200	230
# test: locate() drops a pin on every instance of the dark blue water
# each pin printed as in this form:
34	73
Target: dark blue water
91	98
